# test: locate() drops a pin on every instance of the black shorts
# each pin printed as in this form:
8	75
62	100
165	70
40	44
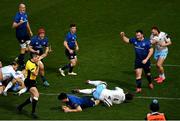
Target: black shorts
30	83
69	55
146	67
22	37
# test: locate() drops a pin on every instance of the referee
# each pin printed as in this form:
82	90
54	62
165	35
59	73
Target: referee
32	69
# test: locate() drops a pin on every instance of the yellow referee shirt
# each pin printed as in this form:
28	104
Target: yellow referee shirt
30	68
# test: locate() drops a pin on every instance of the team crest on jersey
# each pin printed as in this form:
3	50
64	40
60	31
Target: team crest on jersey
143	44
135	43
36	43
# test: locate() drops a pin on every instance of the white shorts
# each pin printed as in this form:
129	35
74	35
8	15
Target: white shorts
0	83
26	44
160	54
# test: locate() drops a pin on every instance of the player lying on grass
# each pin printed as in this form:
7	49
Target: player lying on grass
15	86
161	41
107	96
76	104
9	72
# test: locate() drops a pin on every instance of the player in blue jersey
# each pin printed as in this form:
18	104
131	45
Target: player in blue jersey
76	104
71	46
143	53
23	31
39	45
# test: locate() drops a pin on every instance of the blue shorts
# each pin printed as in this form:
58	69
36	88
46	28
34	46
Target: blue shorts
99	89
160	54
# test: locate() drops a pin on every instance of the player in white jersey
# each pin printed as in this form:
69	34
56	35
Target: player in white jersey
15	85
161	41
107	96
8	72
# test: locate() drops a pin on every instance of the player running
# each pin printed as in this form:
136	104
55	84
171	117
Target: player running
71	46
76	104
39	44
23	32
109	97
32	69
161	41
143	52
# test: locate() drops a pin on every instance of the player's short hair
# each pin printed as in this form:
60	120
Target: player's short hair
154	106
62	96
156	28
41	30
139	31
129	96
14	63
33	55
72	25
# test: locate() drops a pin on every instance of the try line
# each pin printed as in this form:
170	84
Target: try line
138	97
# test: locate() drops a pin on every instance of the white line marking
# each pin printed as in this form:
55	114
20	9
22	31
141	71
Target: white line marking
138	97
168	65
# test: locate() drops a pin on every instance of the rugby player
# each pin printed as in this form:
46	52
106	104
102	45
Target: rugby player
39	45
143	52
76	104
71	46
23	32
161	41
109	97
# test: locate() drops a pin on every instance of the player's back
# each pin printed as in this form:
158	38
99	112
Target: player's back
7	72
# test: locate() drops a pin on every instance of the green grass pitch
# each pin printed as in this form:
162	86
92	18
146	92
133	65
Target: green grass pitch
102	55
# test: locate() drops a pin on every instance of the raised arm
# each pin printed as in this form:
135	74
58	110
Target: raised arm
124	38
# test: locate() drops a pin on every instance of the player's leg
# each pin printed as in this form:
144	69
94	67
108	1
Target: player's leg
160	67
72	65
42	74
9	85
1	88
84	91
147	70
95	83
35	96
138	72
22	54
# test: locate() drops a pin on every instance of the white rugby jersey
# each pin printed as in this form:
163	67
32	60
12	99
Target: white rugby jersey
20	75
161	38
8	72
116	96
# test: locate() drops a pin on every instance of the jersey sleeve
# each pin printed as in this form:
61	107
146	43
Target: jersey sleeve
32	41
167	37
131	40
16	18
47	43
67	37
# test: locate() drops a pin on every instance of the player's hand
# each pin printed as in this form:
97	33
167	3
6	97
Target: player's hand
144	61
30	33
77	48
21	21
71	51
122	34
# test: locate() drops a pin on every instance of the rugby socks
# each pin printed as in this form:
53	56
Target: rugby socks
43	78
28	101
138	83
96	83
162	75
86	91
21	59
149	78
34	103
70	69
66	67
22	91
10	84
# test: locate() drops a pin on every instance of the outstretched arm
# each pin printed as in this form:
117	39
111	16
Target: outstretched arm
124	38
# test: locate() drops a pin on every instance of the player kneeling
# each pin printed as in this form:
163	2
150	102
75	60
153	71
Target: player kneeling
108	97
76	104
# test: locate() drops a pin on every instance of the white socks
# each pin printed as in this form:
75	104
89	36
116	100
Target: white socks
10	84
86	91
23	90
